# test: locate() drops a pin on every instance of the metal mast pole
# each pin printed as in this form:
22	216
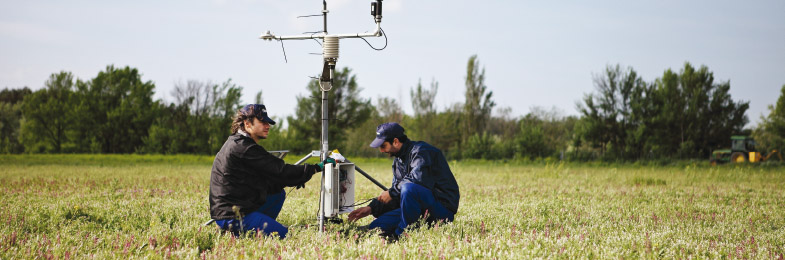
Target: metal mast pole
325	86
330	53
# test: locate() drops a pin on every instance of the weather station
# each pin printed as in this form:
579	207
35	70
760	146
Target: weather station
337	183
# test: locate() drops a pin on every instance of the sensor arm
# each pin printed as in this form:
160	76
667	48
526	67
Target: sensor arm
376	12
269	36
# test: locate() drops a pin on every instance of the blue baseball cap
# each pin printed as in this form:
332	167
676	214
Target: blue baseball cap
257	111
386	131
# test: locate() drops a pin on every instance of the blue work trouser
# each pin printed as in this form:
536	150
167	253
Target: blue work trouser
415	200
263	219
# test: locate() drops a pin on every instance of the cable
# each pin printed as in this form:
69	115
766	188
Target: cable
385	41
320	209
358	203
317	41
284	53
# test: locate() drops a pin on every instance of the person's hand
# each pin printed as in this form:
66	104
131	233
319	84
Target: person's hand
384	197
359	213
326	161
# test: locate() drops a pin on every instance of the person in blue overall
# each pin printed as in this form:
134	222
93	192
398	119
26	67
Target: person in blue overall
246	181
422	182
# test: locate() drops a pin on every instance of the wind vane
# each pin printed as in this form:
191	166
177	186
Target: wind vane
330	51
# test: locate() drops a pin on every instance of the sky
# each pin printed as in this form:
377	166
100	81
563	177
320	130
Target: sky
536	54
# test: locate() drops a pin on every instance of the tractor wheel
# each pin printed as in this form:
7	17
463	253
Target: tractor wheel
713	162
738	157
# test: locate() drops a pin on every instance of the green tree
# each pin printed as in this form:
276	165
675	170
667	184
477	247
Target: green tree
447	132
346	110
684	115
360	136
770	134
10	119
48	114
479	146
227	102
389	109
198	121
14	96
503	127
10	115
169	133
115	111
503	124
696	114
556	128
530	142
424	100
478	106
609	112
425	126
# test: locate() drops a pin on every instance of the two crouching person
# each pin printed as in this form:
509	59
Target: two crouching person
246	181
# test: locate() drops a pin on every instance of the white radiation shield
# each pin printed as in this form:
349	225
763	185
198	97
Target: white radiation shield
337	195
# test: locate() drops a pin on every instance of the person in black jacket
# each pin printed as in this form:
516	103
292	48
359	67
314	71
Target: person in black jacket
246	182
422	182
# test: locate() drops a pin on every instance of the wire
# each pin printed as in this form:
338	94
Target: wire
385	41
284	53
317	41
320	209
312	33
358	203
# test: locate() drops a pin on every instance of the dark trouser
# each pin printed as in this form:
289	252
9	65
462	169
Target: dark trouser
263	219
415	200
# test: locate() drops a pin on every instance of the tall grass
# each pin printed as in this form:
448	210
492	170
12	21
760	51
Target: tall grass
152	206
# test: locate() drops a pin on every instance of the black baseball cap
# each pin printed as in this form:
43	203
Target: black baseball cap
386	131
257	111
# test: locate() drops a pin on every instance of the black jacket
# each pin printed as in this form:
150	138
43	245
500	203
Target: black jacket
423	164
244	173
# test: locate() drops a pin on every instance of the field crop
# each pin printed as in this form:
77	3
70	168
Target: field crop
137	206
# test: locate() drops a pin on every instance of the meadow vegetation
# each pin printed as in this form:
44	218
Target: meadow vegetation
153	206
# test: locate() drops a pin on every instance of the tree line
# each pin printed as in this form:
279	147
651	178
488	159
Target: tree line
683	114
115	113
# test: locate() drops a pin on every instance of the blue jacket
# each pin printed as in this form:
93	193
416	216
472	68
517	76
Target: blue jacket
423	164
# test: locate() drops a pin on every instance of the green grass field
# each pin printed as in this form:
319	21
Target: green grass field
136	206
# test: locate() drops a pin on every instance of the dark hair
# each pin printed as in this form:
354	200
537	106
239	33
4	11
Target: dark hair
402	139
238	121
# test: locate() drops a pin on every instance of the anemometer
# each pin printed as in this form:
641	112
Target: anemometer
337	187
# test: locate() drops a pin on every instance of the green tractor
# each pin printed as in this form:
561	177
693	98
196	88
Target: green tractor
742	150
